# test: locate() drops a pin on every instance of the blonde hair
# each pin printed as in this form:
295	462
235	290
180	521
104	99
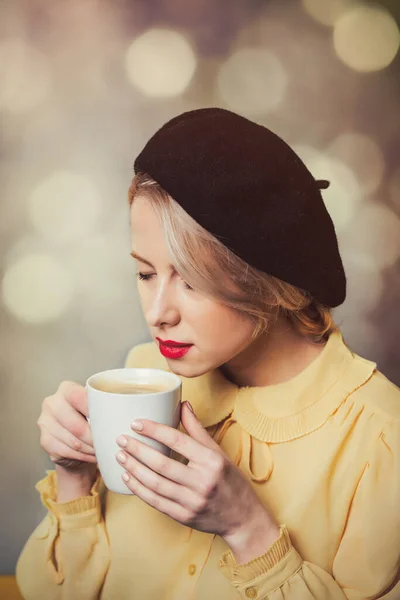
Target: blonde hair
208	266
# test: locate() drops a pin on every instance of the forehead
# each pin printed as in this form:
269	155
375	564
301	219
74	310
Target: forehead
148	245
142	214
140	258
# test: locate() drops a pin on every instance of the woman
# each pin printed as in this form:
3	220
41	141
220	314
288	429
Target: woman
285	482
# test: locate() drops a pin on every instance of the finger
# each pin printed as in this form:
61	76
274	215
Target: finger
76	396
63	435
56	448
182	475
71	419
164	505
177	440
159	484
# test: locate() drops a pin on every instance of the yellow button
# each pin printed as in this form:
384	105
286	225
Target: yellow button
251	592
192	569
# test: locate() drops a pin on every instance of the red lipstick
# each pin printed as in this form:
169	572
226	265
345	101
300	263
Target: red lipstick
171	349
172	343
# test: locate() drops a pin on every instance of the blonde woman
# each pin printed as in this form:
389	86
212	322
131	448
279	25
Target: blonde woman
284	483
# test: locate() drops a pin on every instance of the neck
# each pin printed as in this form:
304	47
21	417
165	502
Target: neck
274	357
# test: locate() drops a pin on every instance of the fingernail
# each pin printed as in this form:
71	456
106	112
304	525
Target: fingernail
190	407
122	441
137	425
121	456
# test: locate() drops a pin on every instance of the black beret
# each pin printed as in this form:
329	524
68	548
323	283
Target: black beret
247	187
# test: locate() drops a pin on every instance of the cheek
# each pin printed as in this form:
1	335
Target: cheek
224	326
146	295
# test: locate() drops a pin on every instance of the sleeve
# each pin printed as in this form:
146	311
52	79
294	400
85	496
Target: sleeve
367	562
67	556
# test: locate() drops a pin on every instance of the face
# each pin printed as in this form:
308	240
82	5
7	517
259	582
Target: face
175	312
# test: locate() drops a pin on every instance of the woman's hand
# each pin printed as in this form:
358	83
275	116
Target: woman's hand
210	493
64	431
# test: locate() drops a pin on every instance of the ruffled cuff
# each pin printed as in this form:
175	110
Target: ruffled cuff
82	512
264	573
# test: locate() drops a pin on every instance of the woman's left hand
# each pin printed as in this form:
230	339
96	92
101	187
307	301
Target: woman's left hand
210	493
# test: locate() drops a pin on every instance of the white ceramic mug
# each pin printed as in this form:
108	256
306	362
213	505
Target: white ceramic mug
110	415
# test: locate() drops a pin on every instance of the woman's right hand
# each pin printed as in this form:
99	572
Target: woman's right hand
64	431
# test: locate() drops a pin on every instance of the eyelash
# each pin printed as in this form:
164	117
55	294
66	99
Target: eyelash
146	277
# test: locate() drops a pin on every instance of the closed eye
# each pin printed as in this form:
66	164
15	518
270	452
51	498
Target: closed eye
143	276
147	276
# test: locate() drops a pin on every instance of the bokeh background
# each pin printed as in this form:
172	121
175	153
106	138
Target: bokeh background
83	85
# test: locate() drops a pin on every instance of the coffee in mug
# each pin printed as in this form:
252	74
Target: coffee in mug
117	397
129	387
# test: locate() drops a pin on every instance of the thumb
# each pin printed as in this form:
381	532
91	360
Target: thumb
76	395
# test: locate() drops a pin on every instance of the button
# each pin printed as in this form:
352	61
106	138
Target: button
192	569
251	592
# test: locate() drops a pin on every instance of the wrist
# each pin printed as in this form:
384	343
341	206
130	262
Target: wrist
74	484
254	538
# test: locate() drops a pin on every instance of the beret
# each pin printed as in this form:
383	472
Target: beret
247	187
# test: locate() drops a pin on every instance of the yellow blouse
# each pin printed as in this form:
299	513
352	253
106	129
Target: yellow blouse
322	452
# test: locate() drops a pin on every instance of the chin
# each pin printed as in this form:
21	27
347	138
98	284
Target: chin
180	368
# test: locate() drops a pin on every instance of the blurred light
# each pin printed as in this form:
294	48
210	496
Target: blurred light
364	286
28	244
36	289
376	242
100	265
343	196
366	38
160	63
326	12
394	188
24	76
360	153
307	154
252	81
64	206
106	285
193	13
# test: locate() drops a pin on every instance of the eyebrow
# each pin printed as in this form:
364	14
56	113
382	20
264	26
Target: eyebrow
143	260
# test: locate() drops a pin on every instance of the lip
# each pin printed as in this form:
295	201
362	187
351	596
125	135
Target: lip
174	351
173	344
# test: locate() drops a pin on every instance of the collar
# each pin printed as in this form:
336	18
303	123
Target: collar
280	412
211	394
274	413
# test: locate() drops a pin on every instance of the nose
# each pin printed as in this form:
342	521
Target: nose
163	307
